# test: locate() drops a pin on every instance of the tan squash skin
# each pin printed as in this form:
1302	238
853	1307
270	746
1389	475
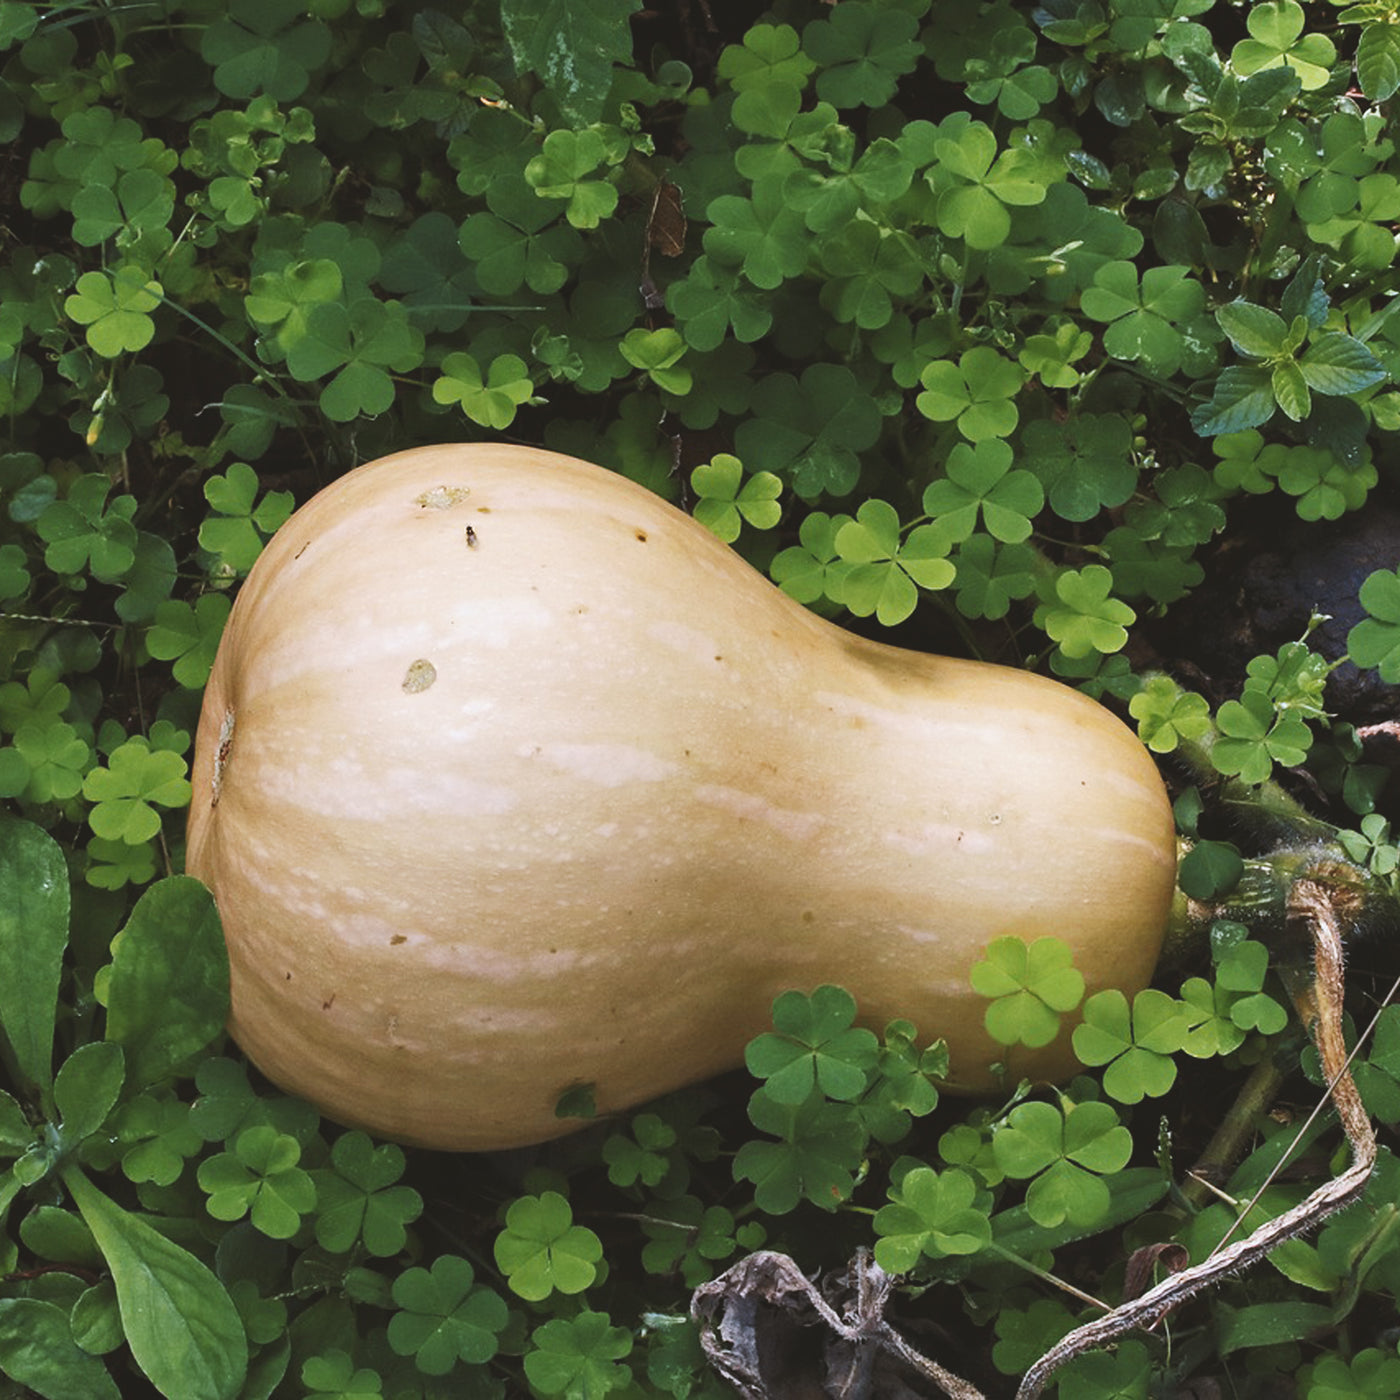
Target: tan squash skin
644	793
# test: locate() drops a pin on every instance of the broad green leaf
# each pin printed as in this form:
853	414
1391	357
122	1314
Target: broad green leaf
571	45
181	1325
1378	61
34	903
86	1087
167	997
37	1351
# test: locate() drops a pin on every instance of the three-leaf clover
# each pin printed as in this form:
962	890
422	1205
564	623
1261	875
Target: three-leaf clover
931	1214
490	399
241	524
814	1045
358	1200
981	481
887	572
819	1148
1067	1148
726	500
1135	1042
445	1316
260	1178
542	1251
1031	986
1256	733
115	307
1083	617
579	1356
189	636
136	780
977	393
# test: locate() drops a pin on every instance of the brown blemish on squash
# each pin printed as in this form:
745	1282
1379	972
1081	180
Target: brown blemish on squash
329	1002
471	538
397	938
419	676
221	757
641	536
442	497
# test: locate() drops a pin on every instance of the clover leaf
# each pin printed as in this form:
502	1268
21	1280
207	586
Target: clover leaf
977	393
259	1178
644	1157
870	270
85	531
1085	463
862	51
764	236
886	571
445	1316
490	400
333	1375
931	1215
981	481
770	55
266	46
811	429
358	345
1375	640
687	1236
975	185
285	298
579	1356
125	793
990	576
819	1148
542	1251
1135	1042
711	300
189	636
564	169
358	1201
1166	714
724	504
812	569
1276	39
239	528
1146	322
1083	618
658	353
814	1045
1255	735
1065	1148
1031	986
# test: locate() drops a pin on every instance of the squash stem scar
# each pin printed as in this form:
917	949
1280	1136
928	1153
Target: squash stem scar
221	757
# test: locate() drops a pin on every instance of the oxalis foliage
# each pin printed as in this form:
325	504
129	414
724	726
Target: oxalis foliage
984	318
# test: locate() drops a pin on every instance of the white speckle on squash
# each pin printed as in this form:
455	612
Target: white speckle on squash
608	765
420	675
442	497
799	826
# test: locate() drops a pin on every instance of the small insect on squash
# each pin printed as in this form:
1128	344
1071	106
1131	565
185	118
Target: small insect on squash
511	777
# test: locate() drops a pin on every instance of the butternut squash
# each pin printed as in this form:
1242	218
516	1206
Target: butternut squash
511	777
